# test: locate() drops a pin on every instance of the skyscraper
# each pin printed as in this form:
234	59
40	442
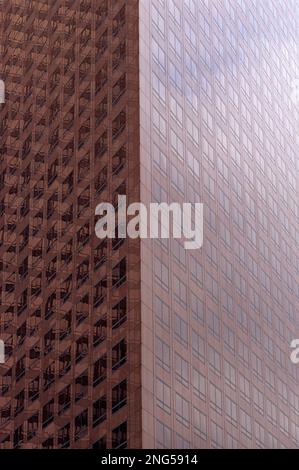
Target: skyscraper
141	343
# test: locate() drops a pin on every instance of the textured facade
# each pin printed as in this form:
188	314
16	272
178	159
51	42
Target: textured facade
122	343
70	304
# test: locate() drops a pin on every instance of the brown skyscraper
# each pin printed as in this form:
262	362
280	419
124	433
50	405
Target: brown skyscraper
128	343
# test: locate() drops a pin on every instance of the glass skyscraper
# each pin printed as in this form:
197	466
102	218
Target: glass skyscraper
141	343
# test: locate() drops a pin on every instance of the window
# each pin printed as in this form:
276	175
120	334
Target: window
220	107
64	364
177	145
227	269
178	183
200	423
196	270
242	318
197	309
158	21
232	442
101	444
48	413
175	77
81	423
191	6
159	124
48	443
246	427
64	399
181	443
258	400
102	107
198	346
119	21
193	165
208	151
181	330
81	386
231	411
119	160
214	360
191	66
212	287
213	324
190	34
271	412
244	388
181	370
163	436
81	348
215	398
182	409
224	202
64	436
192	98
230	374
119	273
33	389
162	354
160	159
243	352
119	124
20	402
100	370
199	384
161	273
229	338
259	435
119	396
119	313
158	54
159	88
100	331
193	131
18	437
176	110
207	119
119	354
163	396
118	90
119	436
216	435
256	366
175	12
180	292
162	312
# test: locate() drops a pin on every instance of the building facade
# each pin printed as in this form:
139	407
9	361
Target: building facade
70	313
127	343
218	126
